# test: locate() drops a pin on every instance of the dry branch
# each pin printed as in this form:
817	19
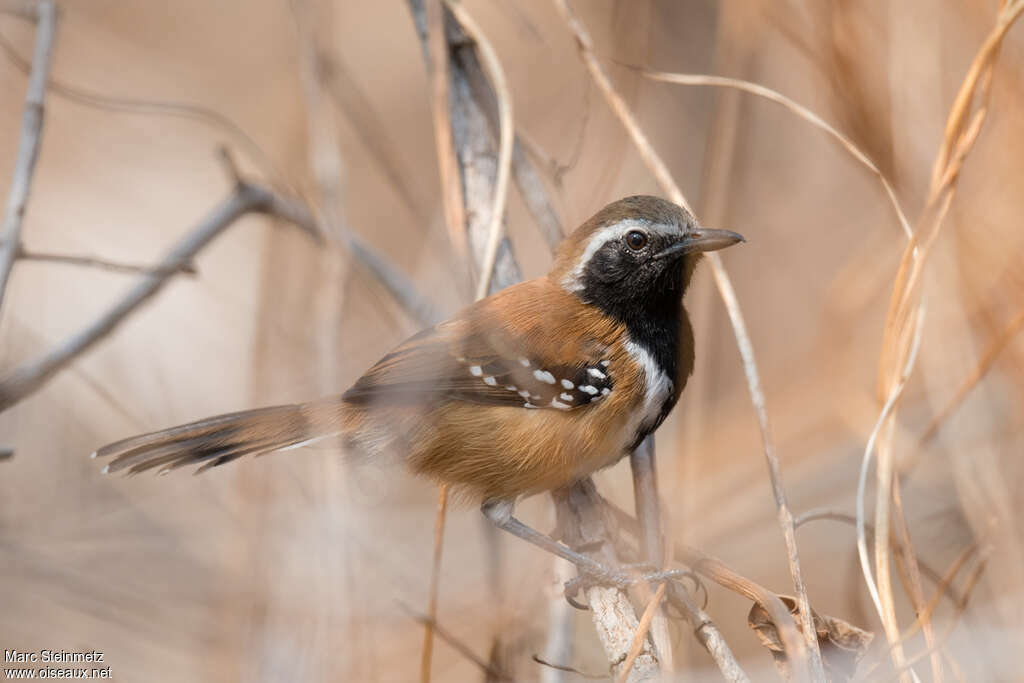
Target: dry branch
244	199
581	517
495	229
97	263
708	635
29	141
669	186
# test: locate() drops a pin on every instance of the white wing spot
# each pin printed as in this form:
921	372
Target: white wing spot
525	362
490	381
589	388
524	393
567	384
606	391
511	387
558	404
594	372
566	397
544	376
605	363
475	370
529	405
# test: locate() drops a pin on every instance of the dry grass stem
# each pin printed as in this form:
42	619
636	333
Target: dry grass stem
29	141
435	580
902	327
661	173
653	605
495	231
910	572
795	107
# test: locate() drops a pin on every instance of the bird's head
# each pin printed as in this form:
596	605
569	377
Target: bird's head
635	254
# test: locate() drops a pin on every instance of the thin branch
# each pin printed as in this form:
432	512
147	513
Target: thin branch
581	517
669	186
837	516
568	669
708	635
456	644
713	568
103	101
101	264
29	141
795	107
244	199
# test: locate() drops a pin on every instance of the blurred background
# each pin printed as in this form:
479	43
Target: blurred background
295	566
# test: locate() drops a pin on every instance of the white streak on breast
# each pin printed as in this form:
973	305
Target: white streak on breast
657	387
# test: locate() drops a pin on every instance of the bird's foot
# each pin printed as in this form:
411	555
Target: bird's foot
621	577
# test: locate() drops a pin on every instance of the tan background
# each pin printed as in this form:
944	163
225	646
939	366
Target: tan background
291	567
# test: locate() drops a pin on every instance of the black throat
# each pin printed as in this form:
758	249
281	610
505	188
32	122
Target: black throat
654	318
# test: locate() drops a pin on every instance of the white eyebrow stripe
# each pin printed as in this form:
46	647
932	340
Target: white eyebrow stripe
571	281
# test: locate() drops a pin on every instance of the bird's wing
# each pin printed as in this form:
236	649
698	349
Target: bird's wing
474	358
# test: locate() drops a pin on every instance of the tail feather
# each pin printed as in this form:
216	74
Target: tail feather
221	439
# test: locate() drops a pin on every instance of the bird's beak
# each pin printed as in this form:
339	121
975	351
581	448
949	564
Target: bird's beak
702	239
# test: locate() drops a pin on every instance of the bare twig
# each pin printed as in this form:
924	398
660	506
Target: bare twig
29	141
581	517
798	109
456	644
101	264
205	115
562	668
669	186
708	635
716	570
244	199
837	516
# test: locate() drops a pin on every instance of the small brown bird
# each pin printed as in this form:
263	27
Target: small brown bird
525	391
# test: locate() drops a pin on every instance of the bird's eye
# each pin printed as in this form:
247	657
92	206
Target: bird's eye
636	240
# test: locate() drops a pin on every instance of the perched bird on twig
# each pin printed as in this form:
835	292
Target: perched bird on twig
525	391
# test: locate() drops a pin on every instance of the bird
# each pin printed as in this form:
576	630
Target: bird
525	391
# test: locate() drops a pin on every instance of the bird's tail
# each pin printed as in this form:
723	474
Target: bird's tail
221	439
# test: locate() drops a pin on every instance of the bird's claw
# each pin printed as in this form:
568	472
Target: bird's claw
622	577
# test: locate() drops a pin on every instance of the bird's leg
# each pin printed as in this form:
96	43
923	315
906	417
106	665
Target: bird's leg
499	512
